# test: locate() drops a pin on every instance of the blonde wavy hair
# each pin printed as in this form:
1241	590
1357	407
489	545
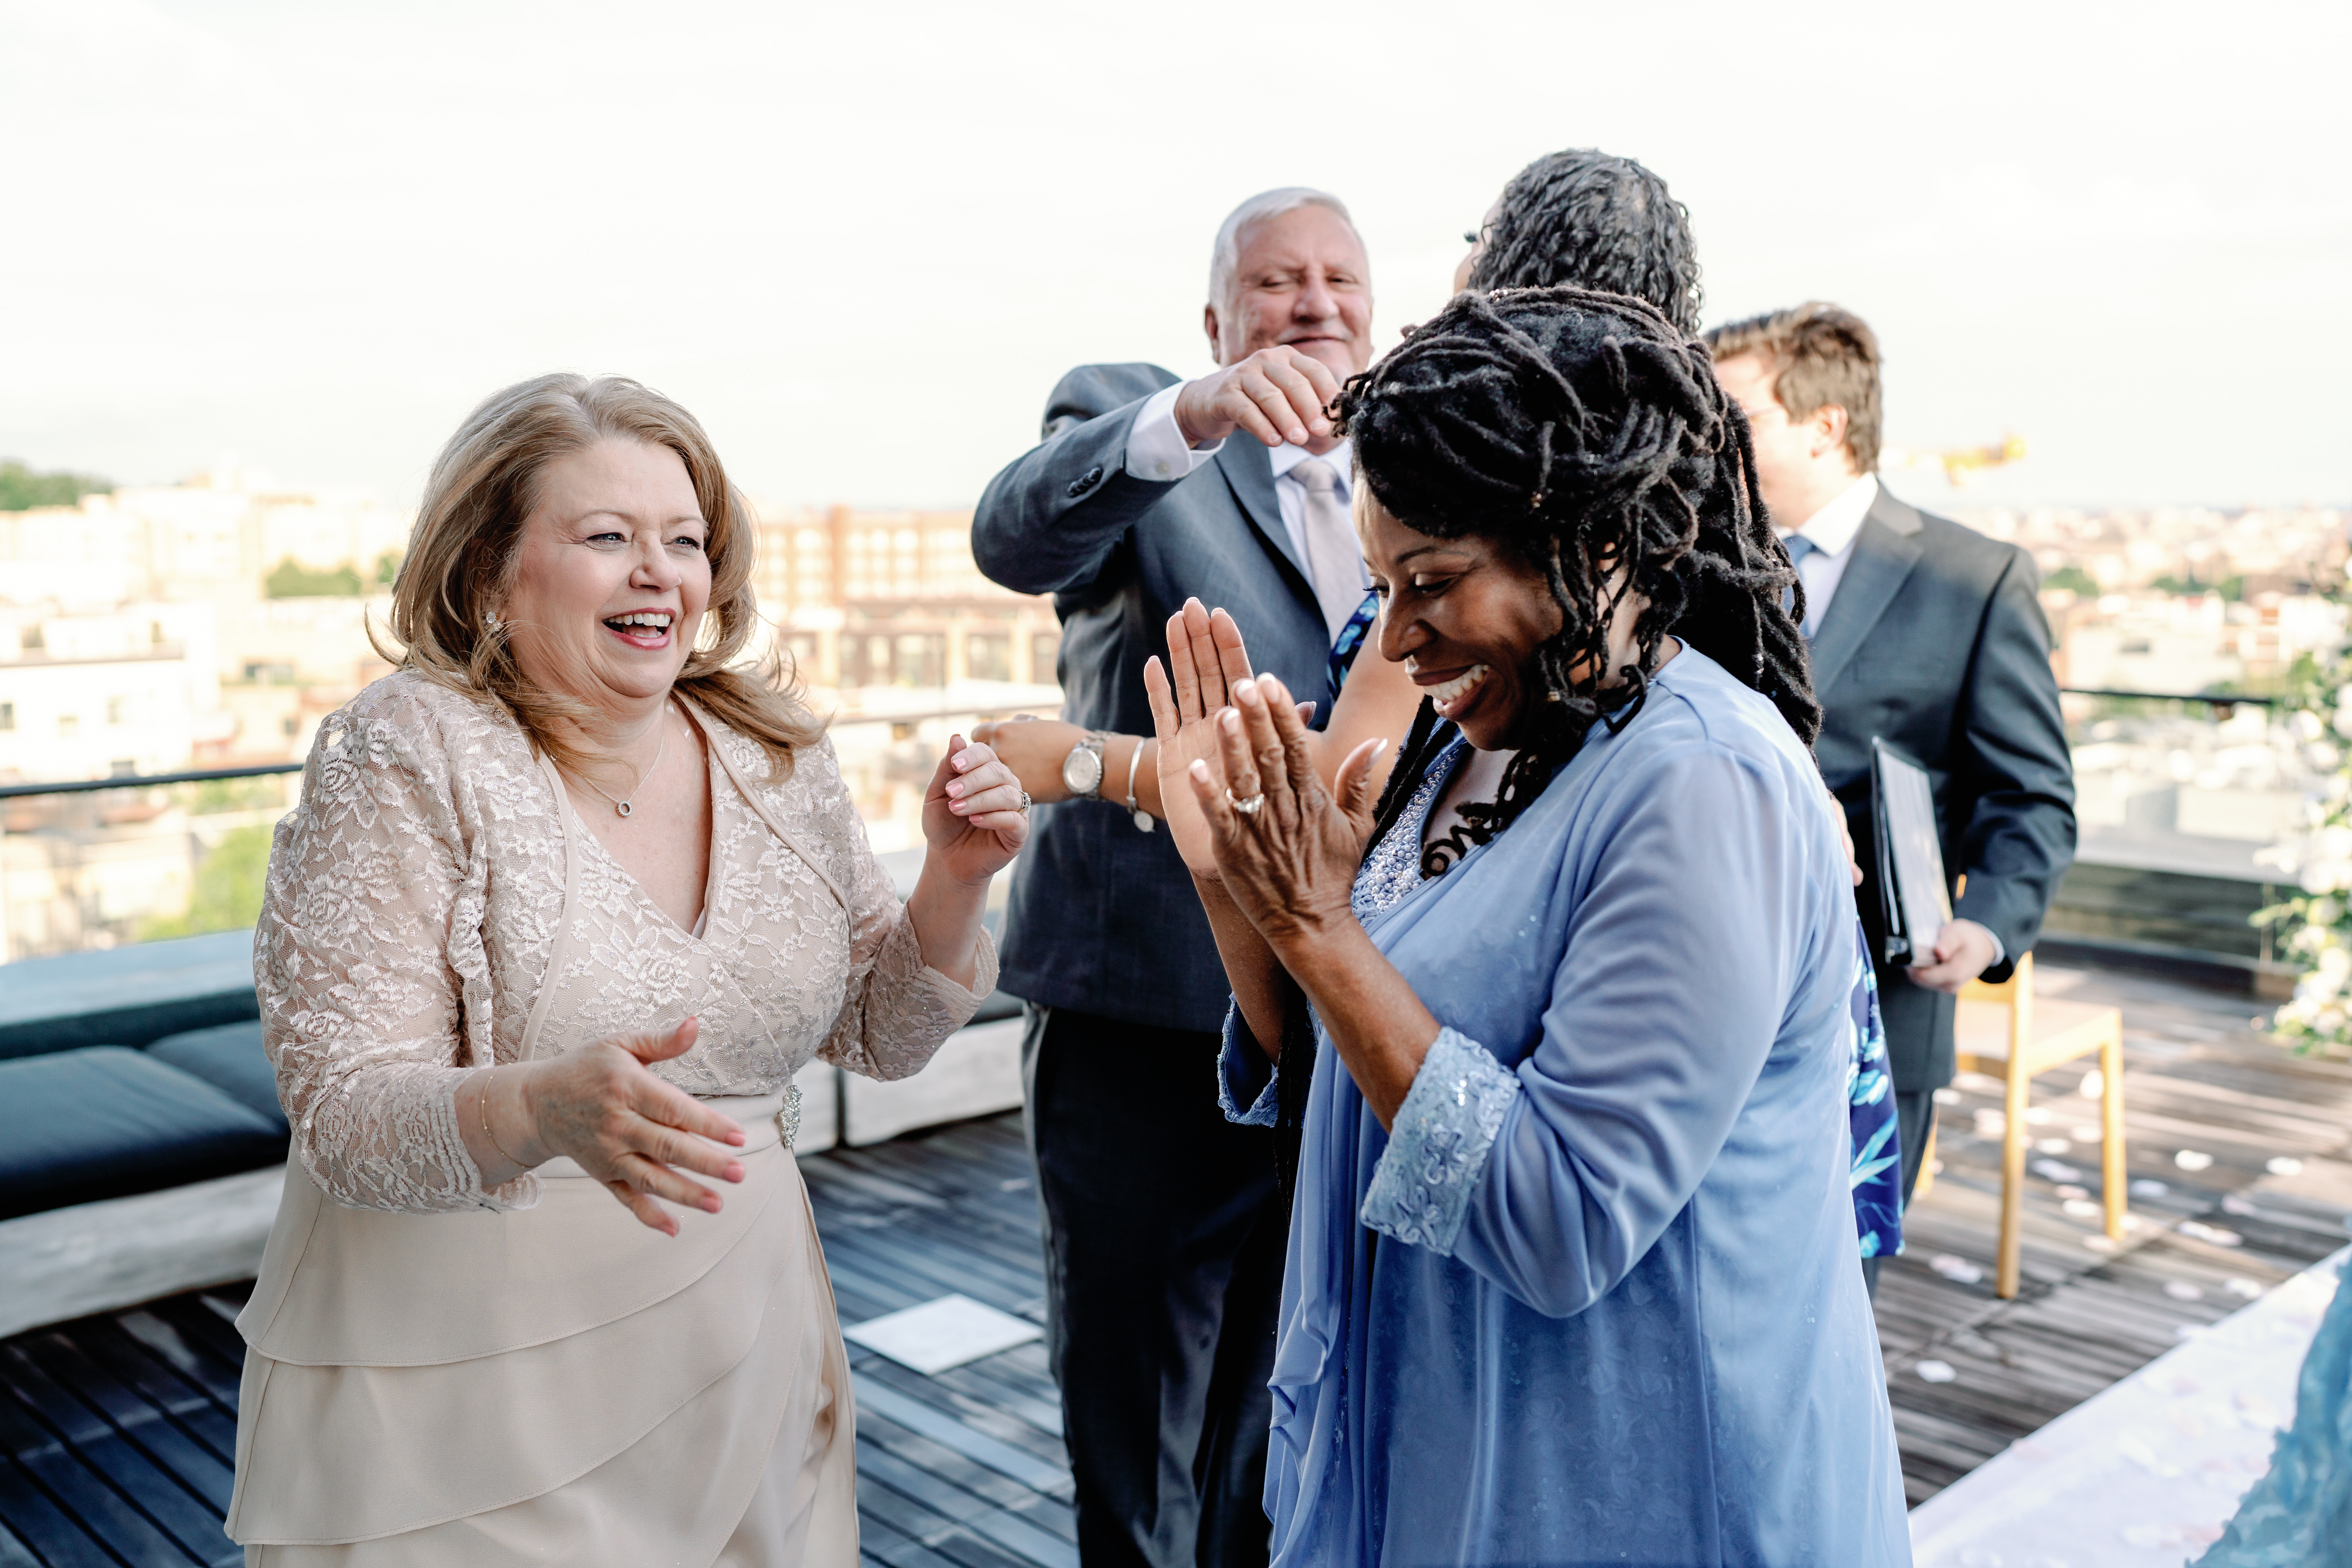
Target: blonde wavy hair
465	546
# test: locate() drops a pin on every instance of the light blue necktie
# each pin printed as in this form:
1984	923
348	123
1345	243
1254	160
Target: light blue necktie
1799	547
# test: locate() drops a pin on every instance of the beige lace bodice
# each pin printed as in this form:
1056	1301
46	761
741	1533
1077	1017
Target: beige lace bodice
435	907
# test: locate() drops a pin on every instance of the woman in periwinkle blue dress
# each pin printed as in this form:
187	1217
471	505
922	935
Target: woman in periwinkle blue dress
1571	1270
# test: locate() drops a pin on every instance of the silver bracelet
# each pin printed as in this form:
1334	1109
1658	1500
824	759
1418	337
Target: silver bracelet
1143	823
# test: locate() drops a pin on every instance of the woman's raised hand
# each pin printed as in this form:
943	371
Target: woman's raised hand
619	1123
1289	861
974	815
1205	657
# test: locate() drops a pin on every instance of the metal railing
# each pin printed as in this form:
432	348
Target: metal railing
270	769
2219	699
148	781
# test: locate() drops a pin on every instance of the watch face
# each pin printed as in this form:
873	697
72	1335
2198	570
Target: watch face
1082	771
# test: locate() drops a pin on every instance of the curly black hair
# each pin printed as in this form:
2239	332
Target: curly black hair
1587	217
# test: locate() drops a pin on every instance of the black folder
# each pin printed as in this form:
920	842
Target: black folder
1913	895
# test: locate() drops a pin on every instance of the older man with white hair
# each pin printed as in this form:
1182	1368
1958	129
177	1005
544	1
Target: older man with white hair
1165	1229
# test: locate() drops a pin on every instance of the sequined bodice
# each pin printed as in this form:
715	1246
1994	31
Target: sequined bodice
1394	867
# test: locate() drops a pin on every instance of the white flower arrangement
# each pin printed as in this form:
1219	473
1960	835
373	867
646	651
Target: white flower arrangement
2314	925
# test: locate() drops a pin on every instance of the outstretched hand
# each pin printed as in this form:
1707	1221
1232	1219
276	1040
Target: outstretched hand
630	1131
1289	863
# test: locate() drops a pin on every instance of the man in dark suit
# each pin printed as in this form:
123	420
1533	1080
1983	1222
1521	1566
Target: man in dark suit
1926	634
1164	1229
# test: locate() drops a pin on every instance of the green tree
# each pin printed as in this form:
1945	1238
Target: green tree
292	580
387	567
227	891
2229	588
21	489
2073	579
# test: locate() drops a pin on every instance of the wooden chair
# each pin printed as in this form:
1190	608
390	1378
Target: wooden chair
2004	1032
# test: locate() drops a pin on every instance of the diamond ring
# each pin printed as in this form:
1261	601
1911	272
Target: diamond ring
1023	807
1248	806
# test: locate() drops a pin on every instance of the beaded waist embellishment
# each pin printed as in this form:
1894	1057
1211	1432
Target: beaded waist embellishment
788	1118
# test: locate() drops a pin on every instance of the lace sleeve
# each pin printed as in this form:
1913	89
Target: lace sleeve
1437	1150
898	1010
369	960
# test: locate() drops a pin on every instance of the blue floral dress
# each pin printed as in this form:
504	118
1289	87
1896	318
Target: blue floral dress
1870	1088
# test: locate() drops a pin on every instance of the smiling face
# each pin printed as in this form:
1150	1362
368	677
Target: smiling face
610	578
1301	278
1464	618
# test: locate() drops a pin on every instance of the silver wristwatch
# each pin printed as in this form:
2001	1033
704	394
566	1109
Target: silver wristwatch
1082	769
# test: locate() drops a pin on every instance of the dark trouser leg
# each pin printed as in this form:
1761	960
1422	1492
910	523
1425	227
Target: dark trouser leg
1164	1240
1913	1113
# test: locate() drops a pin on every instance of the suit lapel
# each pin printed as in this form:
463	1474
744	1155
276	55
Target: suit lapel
1250	471
1885	551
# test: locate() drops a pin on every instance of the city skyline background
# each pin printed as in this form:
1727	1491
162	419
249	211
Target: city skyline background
862	246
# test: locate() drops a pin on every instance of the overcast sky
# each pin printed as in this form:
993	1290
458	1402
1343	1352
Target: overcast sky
861	242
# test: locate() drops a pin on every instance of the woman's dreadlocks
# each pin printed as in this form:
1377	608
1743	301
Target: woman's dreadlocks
1584	216
1586	432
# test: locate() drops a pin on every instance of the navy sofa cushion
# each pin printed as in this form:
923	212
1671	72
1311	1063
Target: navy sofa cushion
229	1058
106	1121
126	996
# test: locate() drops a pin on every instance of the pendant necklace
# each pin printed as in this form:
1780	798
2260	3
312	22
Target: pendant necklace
623	806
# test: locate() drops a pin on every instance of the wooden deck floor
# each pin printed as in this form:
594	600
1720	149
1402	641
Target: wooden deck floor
116	1432
2196	1078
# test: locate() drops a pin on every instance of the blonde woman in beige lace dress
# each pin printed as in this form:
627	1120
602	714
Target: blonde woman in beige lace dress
568	900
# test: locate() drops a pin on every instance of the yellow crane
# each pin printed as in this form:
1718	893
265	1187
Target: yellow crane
1960	464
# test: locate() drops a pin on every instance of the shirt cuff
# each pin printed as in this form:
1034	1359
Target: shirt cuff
1155	450
1248	1083
1421	1190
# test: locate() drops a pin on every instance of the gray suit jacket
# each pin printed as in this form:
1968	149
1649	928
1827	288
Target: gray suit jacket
1936	641
1103	919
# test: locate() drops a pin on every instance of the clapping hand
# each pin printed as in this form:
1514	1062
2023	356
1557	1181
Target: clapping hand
1286	849
975	817
1205	658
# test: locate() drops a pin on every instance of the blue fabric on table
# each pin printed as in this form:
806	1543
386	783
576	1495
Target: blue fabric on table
230	1059
1597	1300
105	1122
2299	1514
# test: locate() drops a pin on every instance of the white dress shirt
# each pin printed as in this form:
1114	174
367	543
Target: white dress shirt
1831	533
1156	451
